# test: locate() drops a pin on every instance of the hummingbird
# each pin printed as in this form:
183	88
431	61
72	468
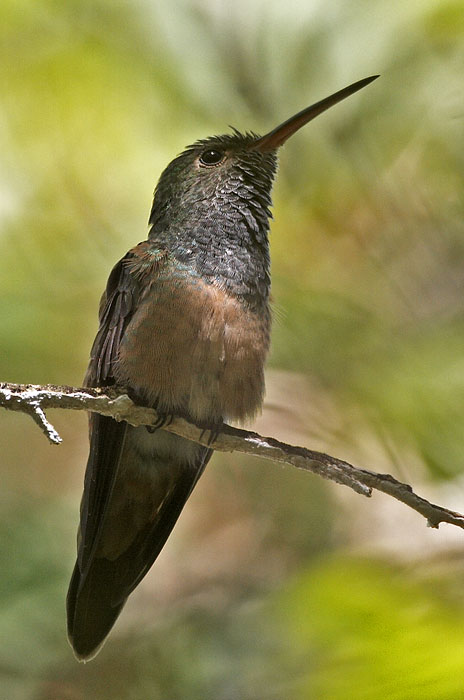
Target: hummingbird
184	325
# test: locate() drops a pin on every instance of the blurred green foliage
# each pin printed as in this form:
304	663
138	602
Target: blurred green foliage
257	595
367	626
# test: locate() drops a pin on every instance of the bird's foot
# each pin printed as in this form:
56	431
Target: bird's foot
214	430
162	421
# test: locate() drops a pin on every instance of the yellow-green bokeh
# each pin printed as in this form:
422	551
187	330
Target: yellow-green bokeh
261	593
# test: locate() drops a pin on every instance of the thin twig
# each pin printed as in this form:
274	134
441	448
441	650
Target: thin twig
34	399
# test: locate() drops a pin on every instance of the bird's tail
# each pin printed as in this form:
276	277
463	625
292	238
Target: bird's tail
153	480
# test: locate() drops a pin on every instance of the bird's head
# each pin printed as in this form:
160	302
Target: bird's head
224	178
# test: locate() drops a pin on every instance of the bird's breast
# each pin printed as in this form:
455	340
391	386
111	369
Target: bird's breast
192	348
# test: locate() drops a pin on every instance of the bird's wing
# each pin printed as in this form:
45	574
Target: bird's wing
107	436
136	484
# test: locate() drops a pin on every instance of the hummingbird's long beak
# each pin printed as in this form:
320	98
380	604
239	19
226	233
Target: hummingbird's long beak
281	133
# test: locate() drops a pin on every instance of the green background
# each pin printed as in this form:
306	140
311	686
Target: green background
274	585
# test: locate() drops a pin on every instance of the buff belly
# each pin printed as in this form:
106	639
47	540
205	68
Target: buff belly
192	348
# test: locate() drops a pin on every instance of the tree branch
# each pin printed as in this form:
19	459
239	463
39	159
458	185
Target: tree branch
33	400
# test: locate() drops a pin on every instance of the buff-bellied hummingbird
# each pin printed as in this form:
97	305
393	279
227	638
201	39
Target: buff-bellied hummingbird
184	325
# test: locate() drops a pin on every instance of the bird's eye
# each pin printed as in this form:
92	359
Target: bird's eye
211	157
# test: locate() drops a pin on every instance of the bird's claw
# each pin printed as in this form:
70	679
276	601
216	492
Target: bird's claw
162	421
214	430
